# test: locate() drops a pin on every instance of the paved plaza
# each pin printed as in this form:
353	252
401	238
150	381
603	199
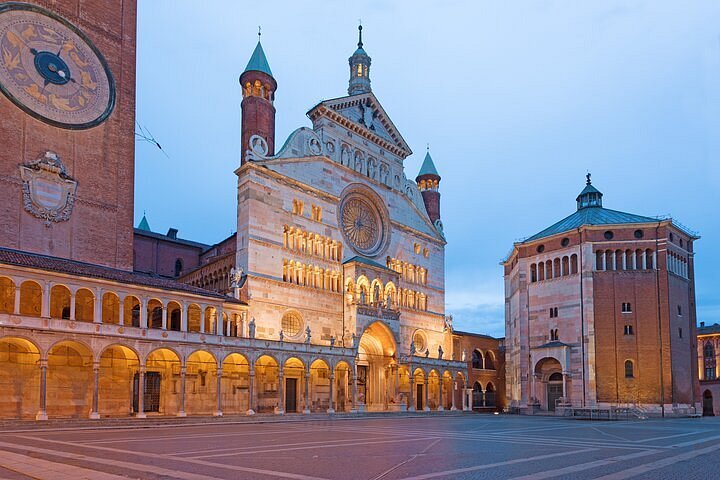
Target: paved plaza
469	446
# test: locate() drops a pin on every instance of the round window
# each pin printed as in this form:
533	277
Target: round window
609	235
639	234
540	248
420	342
565	242
291	324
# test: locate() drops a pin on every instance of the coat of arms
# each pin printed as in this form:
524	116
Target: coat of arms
48	191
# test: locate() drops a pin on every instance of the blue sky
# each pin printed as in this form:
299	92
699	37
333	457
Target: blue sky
518	100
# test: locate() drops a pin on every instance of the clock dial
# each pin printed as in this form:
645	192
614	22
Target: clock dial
51	70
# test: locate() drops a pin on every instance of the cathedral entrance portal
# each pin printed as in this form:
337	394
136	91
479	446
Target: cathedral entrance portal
376	357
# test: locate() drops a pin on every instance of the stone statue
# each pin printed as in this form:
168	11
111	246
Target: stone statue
440	352
345	156
308	335
236	276
363	299
376	294
464	356
332	341
251	328
412	348
427	353
282	336
448	322
354	341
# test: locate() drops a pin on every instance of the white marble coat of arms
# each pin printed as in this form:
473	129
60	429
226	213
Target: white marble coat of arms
48	191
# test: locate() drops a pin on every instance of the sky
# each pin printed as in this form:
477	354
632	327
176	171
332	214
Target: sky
517	100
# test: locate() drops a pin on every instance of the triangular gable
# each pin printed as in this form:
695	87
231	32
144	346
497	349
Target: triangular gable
349	112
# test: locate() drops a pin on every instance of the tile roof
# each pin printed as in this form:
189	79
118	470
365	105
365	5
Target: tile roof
708	330
72	267
166	238
428	166
366	261
591	216
258	61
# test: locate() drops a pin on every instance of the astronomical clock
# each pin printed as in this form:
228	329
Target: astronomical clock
51	70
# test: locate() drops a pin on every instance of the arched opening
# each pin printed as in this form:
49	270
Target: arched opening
341	391
70	380
201	383
548	391
477	359
477	395
629	369
235	384
131	311
19	378
30	299
375	363
294	374
210	320
433	390
489	360
174	316
459	386
118	366
194	318
708	408
178	267
110	308
7	295
60	302
490	395
161	388
420	386
319	386
447	390
573	264
155	313
266	378
84	305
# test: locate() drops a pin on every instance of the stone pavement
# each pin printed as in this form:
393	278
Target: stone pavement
469	446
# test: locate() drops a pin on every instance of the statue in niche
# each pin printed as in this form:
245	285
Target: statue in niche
371	168
251	328
376	295
308	335
363	298
384	173
345	156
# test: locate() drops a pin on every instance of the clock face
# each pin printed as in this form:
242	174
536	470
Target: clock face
51	70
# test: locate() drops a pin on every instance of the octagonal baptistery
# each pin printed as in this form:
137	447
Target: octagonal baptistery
600	312
332	233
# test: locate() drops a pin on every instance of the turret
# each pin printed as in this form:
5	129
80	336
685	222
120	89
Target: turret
258	112
590	196
428	181
359	69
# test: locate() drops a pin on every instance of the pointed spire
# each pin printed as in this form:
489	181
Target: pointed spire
360	35
428	166
258	61
144	225
359	68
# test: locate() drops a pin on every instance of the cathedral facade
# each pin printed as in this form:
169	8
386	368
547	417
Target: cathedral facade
330	296
600	314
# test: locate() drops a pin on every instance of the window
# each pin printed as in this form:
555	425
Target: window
553	312
540	248
565	242
629	330
679	311
291	324
609	235
680	332
178	267
359	70
626	308
639	234
476	359
554	334
709	361
629	370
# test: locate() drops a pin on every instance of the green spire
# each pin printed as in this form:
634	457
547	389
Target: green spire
144	225
258	61
428	166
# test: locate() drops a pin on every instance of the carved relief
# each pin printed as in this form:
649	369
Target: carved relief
48	191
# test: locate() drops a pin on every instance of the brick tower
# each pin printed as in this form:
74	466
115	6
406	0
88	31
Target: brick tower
67	129
258	112
428	181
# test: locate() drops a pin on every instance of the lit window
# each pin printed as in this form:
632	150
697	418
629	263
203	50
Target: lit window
359	71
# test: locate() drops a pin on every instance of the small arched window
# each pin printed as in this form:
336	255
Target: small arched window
477	360
629	369
178	267
489	361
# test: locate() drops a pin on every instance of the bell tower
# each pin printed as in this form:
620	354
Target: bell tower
428	181
359	69
258	112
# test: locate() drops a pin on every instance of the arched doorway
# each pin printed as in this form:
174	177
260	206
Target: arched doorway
490	395
477	395
118	366
376	358
550	389
708	410
161	385
70	380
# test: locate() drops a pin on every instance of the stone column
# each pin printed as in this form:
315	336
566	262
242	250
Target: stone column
17	300
565	392
181	409
467	399
121	320
183	318
426	408
141	393
281	391
143	313
72	305
42	411
97	306
251	389
219	321
354	390
218	412
332	389
94	413
202	319
45	307
412	390
440	407
164	316
307	392
452	393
